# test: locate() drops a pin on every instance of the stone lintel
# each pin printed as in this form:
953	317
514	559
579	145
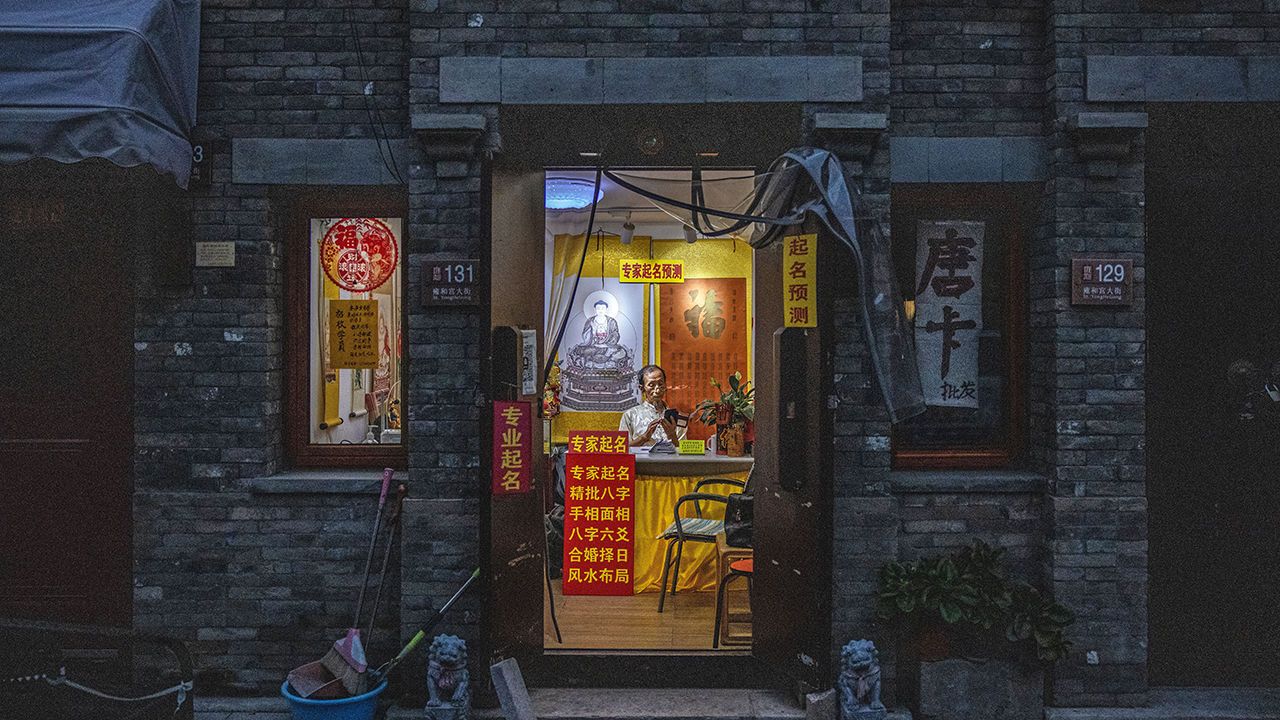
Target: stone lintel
446	136
852	136
1104	140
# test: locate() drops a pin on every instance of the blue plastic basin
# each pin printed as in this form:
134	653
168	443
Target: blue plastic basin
358	707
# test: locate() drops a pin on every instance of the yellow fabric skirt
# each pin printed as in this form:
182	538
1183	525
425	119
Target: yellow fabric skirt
656	497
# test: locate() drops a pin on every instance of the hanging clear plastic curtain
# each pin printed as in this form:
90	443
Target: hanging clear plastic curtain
803	182
566	231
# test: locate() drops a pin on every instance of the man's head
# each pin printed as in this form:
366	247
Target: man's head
602	307
653	382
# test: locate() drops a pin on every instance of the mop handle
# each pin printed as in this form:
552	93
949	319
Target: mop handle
422	633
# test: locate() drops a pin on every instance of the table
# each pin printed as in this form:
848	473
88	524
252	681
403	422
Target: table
660	481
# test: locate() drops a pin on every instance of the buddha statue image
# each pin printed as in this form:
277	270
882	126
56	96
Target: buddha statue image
598	368
600	348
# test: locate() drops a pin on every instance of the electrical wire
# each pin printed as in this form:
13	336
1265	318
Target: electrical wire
393	168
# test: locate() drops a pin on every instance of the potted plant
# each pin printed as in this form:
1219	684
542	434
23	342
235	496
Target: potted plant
732	414
963	623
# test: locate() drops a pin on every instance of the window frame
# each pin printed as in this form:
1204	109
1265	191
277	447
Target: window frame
1012	206
352	201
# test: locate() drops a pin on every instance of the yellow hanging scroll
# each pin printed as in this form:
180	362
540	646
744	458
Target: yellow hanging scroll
353	330
800	281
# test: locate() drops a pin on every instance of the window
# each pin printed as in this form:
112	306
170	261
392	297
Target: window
345	313
959	254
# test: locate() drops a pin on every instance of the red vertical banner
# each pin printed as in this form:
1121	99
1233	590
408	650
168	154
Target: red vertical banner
512	447
599	524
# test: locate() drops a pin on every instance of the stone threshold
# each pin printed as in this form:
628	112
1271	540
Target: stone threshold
575	704
1187	703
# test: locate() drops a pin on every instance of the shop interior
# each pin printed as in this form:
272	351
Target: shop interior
652	568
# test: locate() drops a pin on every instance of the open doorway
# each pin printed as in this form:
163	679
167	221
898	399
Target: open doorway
788	598
638	565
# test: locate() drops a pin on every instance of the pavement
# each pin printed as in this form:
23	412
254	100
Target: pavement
718	704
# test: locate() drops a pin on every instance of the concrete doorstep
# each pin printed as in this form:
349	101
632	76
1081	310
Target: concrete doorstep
574	704
1187	704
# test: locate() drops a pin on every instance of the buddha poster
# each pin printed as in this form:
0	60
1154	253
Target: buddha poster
601	350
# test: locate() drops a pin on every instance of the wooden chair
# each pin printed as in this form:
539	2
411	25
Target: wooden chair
691	529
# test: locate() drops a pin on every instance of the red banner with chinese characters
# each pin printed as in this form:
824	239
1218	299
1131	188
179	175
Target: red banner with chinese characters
598	441
512	447
599	524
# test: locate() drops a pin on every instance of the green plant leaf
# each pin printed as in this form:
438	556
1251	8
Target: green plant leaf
950	612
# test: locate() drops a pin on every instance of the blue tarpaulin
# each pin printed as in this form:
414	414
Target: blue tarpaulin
113	79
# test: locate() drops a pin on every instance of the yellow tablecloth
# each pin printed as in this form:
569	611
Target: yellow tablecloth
656	497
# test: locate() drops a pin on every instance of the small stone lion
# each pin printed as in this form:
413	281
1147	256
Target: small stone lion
859	680
448	681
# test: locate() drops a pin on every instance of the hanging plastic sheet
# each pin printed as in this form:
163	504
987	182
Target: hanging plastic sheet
804	182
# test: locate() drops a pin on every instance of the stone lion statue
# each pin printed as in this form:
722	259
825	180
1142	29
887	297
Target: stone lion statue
448	681
859	680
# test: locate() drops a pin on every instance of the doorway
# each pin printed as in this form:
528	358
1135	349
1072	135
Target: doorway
622	639
66	405
1213	434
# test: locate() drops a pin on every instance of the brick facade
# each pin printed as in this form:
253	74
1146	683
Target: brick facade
256	574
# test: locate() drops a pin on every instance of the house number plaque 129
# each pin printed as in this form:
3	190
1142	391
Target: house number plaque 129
1101	281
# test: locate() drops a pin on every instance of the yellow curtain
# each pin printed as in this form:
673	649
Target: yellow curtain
656	497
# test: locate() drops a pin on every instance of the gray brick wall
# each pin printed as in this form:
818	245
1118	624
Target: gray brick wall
967	69
257	584
232	570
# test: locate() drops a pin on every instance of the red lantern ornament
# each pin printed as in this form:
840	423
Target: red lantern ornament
359	254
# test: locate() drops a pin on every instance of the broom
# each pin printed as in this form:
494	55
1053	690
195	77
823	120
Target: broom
385	669
346	659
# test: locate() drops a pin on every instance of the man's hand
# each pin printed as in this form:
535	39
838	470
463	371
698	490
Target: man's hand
648	432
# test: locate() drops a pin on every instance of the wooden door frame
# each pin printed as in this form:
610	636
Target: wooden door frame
603	668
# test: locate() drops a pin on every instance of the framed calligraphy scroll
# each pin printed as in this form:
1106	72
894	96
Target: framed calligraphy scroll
958	252
948	290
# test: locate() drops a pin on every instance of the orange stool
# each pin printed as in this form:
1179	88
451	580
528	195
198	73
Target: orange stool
737	568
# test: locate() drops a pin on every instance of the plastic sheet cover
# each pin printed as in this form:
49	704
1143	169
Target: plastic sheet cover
113	79
888	331
809	183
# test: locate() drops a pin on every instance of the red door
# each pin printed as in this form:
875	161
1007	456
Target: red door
66	415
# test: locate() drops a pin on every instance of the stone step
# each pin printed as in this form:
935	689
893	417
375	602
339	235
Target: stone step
1187	704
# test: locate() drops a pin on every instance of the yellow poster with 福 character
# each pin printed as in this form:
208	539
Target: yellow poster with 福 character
353	330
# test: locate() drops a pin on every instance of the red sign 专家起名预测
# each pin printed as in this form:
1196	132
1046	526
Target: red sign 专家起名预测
599	524
598	441
512	447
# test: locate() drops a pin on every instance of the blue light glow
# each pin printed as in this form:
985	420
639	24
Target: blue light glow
570	193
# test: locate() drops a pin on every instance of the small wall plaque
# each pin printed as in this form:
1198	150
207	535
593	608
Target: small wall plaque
1101	281
451	282
216	254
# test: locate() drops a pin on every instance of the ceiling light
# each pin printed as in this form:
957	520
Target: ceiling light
570	193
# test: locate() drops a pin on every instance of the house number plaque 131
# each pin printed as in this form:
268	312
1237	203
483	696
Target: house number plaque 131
451	282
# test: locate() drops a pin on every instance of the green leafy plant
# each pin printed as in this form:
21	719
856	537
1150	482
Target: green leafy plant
968	589
738	402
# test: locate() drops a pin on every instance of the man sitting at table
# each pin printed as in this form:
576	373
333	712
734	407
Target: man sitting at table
645	423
